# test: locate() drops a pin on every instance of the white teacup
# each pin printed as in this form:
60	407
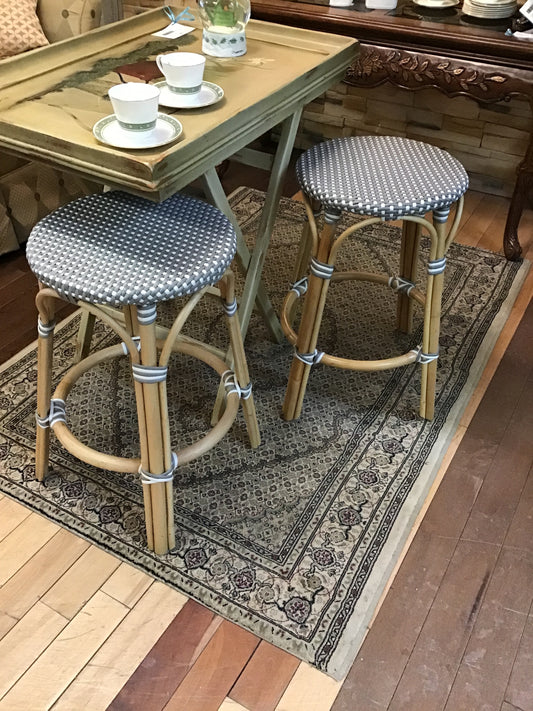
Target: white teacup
135	105
183	71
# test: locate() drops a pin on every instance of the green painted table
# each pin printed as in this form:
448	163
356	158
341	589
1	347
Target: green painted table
51	97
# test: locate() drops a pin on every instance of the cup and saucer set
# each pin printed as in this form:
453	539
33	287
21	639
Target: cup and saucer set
136	122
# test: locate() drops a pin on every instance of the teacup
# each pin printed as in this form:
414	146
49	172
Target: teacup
183	71
135	105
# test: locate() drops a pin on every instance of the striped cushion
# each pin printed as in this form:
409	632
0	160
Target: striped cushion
382	176
117	249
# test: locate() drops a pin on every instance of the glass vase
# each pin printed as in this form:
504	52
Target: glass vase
224	23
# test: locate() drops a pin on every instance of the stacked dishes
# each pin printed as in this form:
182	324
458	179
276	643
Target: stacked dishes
490	9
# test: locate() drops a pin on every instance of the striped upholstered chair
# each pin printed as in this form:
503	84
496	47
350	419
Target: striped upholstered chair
381	178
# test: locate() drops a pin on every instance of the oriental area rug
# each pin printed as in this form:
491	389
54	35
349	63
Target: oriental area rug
296	540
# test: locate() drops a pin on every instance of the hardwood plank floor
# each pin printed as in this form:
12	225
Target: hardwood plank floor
78	630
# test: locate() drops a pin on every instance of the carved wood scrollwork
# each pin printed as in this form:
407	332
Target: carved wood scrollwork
411	70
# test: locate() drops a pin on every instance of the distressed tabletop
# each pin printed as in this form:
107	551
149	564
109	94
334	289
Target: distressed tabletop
51	97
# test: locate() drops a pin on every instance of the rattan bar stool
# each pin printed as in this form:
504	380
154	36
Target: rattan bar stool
114	251
382	178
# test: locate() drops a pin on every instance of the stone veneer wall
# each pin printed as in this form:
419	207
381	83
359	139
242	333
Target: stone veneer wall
489	140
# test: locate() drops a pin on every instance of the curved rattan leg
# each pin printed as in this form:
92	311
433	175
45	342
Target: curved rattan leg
408	267
156	457
239	357
45	302
308	331
430	343
305	246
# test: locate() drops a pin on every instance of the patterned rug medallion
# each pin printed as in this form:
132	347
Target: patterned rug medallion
296	540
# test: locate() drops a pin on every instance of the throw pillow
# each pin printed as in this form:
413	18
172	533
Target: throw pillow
20	28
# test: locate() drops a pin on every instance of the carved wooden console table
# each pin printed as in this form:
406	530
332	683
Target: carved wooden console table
413	51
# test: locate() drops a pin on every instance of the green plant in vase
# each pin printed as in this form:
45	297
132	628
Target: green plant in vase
224	22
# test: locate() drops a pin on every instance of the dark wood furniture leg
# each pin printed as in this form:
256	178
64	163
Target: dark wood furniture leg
522	191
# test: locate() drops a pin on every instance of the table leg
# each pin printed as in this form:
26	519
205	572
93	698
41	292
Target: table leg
85	333
253	263
214	191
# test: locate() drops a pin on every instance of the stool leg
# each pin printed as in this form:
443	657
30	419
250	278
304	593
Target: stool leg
156	457
313	309
430	343
301	266
46	307
239	357
408	267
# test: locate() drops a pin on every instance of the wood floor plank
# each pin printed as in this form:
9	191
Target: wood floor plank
472	201
25	642
475	225
265	678
18	547
11	515
492	237
207	684
46	680
520	533
35	578
309	689
166	665
80	582
381	661
519	692
127	584
459	488
103	677
231	705
500	494
509	707
487	663
432	666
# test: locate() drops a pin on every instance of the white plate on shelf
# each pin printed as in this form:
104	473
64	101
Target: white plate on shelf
109	131
209	94
435	4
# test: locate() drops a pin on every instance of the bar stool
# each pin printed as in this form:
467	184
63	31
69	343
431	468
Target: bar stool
114	251
383	178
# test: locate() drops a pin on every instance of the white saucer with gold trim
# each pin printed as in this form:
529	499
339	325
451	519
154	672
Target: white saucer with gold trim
109	131
209	94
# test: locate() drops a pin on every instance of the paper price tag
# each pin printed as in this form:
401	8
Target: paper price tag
173	31
527	10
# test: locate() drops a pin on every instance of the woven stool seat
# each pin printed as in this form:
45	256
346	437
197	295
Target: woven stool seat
117	249
382	176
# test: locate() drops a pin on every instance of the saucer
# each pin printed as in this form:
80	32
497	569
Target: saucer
108	130
208	94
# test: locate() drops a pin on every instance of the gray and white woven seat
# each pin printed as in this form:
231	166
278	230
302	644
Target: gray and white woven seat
385	176
382	178
112	250
118	249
